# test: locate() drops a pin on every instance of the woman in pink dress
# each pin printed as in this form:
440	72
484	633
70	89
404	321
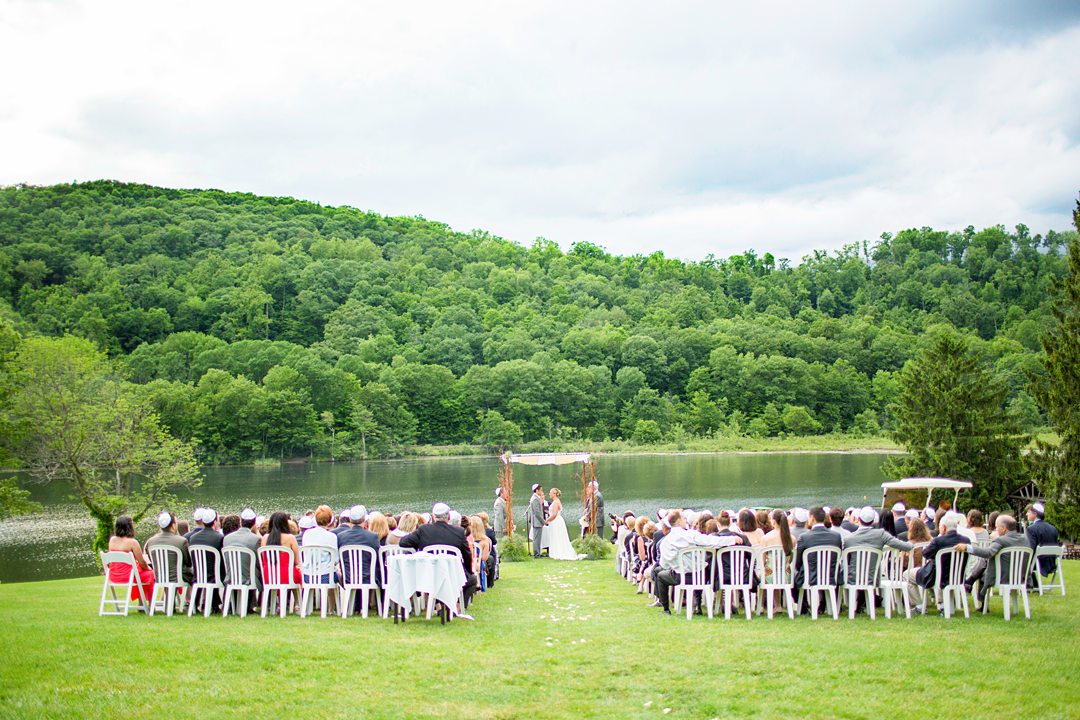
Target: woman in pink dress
123	540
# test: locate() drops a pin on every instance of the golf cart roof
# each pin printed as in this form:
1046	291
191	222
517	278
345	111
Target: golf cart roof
924	483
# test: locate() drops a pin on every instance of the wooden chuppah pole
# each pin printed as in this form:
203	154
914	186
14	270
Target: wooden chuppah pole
588	492
506	482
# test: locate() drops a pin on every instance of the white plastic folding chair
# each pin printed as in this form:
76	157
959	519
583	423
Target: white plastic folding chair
1056	579
893	564
740	576
1011	569
239	562
780	578
384	556
353	579
168	565
696	578
120	606
860	568
444	550
205	576
952	590
822	580
275	563
317	573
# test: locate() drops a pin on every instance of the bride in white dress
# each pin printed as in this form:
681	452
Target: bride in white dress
559	547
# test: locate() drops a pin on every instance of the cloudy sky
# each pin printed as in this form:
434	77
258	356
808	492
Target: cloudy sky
692	128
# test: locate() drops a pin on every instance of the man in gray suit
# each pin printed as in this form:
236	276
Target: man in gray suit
245	537
1009	535
536	518
871	537
499	513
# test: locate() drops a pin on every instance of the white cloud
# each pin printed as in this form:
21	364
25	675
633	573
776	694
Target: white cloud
688	128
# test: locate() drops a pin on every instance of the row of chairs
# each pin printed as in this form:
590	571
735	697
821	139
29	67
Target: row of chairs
278	585
722	575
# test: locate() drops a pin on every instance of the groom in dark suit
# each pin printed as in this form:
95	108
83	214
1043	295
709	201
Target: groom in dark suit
536	517
817	536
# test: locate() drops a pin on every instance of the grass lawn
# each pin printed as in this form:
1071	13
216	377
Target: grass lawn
553	640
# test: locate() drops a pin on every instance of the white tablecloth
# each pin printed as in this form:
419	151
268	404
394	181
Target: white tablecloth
438	575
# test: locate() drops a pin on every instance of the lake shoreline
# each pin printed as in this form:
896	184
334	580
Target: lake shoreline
765	446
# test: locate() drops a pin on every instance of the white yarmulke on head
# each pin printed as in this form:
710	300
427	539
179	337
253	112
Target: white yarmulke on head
164	520
209	516
306	523
899	507
912	514
867	515
801	515
440	509
247	514
1039	508
455	517
357	513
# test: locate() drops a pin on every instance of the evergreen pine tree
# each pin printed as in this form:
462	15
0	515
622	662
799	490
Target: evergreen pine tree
951	417
1056	468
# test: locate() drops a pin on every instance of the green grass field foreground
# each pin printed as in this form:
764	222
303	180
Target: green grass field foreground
553	640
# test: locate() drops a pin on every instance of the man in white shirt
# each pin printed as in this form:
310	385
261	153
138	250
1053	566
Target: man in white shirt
320	535
677	539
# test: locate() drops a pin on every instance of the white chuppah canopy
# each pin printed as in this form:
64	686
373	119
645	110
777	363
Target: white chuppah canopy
546	458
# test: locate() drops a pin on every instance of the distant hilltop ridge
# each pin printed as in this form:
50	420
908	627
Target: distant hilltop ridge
279	327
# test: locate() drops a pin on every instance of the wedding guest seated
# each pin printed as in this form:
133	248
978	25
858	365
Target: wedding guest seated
973	529
871	537
761	517
244	537
441	532
170	536
799	519
279	535
924	577
480	538
836	518
320	536
749	528
229	525
899	521
196	516
780	534
1041	533
888	523
991	524
817	536
1008	535
357	534
182	527
209	536
123	540
408	522
377	524
679	538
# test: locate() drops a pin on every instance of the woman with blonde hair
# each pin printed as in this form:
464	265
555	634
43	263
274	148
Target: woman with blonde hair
481	543
406	524
378	525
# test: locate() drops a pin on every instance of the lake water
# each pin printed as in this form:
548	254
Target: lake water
56	542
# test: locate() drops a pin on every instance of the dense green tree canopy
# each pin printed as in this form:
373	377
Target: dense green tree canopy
246	318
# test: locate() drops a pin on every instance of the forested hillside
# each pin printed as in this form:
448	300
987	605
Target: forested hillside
270	326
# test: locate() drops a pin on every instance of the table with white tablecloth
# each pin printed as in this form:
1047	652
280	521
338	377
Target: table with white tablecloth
440	576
